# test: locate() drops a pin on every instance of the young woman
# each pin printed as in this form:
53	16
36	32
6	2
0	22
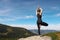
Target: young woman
39	19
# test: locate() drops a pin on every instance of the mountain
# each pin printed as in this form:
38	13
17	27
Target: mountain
14	32
44	31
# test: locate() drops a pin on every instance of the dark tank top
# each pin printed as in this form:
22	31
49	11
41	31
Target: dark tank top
39	20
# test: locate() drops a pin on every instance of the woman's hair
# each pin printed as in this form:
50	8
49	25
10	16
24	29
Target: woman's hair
39	11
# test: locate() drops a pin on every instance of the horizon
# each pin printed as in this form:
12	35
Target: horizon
22	13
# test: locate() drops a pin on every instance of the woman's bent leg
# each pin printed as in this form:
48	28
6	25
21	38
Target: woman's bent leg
44	24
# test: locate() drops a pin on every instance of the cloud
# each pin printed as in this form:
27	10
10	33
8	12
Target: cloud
30	16
55	8
24	17
29	26
7	19
58	15
52	27
5	12
5	0
14	18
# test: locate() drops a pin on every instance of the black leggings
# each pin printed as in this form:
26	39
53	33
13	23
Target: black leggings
41	23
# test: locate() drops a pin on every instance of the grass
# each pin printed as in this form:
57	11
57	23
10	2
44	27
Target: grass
53	35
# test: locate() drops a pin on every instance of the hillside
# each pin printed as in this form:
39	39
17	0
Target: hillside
53	35
49	36
13	32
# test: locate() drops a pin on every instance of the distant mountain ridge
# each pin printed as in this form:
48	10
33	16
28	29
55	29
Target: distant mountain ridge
44	31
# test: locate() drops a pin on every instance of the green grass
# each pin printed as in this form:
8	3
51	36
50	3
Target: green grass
53	35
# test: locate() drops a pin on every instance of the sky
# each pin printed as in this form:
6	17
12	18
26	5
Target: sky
22	13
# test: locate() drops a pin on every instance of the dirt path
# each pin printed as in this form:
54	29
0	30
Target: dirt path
36	38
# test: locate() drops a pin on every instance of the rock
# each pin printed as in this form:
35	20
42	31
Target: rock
37	38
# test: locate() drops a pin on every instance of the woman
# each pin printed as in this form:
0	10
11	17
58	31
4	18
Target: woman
39	21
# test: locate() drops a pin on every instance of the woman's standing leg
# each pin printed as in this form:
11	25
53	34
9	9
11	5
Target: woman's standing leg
38	25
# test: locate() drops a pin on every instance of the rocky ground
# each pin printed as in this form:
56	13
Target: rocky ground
36	38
